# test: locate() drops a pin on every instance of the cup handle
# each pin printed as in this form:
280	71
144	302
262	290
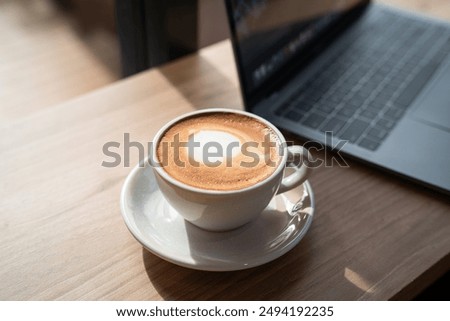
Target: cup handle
302	170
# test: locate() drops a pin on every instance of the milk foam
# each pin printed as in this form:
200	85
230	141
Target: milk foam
235	142
206	143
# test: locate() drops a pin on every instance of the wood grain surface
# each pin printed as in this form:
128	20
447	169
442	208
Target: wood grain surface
62	236
45	60
437	8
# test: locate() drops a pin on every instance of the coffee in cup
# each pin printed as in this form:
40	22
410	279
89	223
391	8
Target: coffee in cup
219	168
219	151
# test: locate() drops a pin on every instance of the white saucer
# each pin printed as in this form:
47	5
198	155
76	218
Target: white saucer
162	231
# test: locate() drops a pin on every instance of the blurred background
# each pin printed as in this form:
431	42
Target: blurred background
54	50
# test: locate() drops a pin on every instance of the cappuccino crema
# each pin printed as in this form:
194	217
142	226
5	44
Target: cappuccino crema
219	151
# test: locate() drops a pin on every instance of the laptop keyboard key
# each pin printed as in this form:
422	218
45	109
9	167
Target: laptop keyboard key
347	111
377	104
314	96
294	115
377	134
393	113
314	120
334	125
334	99
326	107
369	144
281	110
385	124
369	113
303	106
355	130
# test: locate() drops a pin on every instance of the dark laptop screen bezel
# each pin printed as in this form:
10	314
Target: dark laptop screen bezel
281	77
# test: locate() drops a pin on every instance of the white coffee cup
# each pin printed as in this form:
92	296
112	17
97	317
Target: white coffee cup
225	210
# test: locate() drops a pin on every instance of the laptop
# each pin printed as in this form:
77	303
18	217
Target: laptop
368	74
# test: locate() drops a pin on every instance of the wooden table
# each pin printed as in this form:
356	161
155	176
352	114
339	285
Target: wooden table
62	235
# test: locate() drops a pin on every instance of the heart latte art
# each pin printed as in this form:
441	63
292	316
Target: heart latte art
219	151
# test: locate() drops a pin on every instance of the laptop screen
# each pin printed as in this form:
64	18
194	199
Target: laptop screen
271	35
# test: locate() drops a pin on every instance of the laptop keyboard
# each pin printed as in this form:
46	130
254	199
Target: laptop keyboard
373	77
